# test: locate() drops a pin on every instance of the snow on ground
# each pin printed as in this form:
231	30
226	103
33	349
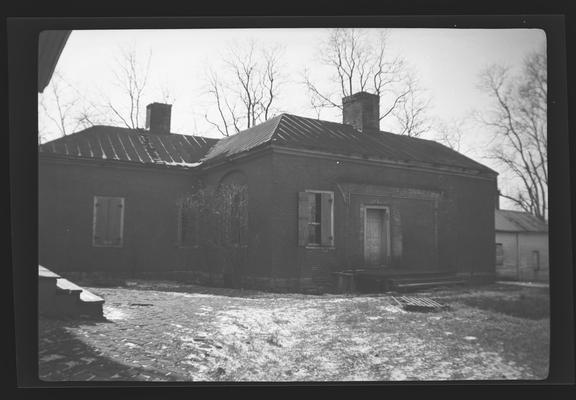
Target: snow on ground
227	335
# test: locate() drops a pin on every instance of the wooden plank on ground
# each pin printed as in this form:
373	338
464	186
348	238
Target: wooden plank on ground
418	303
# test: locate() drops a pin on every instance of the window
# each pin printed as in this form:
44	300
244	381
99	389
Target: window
108	221
536	260
499	254
188	224
238	218
315	219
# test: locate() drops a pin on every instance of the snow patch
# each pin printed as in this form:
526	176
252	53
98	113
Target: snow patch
397	376
180	164
51	357
114	314
393	309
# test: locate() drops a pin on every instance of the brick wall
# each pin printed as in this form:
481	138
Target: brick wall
444	222
462	216
66	193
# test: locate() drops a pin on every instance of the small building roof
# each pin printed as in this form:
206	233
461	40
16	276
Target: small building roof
132	145
297	132
518	221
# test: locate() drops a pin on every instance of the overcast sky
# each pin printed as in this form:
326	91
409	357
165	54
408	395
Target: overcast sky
447	62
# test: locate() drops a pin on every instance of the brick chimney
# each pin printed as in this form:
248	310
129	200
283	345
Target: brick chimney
362	111
158	118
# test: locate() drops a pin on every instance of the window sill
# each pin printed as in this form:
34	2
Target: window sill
185	246
309	247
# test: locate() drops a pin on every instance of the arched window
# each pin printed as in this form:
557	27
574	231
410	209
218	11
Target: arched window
233	207
232	202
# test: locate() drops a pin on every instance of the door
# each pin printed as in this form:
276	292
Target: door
376	236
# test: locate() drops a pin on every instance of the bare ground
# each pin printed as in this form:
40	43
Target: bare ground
162	331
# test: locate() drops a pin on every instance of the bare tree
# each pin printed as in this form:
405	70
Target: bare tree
410	111
452	132
66	109
131	76
57	104
361	62
63	109
246	93
518	120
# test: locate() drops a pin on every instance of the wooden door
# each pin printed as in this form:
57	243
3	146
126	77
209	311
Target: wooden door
376	237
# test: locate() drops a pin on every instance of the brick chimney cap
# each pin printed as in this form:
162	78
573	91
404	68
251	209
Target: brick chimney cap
357	95
159	104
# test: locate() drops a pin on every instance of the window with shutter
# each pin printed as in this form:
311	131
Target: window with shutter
315	219
499	254
536	260
108	221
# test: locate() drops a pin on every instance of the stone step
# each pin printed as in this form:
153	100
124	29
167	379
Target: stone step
59	297
85	295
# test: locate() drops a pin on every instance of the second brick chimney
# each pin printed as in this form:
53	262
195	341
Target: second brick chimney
158	118
362	111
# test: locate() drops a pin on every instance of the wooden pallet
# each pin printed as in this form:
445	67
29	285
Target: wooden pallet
418	304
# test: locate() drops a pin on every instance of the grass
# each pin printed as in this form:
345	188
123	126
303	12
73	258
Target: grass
521	302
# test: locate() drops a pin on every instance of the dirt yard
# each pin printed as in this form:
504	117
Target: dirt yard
162	331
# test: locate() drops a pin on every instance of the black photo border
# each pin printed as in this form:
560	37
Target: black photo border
21	298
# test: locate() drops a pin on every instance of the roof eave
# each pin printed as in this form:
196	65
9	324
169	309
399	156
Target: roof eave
489	174
114	162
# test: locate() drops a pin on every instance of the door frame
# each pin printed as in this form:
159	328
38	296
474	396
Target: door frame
387	227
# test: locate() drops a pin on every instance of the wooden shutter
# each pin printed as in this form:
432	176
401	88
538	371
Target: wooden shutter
305	200
115	220
100	225
396	233
327	202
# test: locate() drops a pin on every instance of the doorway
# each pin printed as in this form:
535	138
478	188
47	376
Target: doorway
377	236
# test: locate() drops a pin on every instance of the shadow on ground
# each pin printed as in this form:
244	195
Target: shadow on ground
65	357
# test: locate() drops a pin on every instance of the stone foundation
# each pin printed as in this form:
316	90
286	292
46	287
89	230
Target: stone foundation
278	285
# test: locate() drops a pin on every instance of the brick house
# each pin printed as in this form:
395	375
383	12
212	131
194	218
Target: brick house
521	246
319	198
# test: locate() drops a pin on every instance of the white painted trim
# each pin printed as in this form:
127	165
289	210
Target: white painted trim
388	230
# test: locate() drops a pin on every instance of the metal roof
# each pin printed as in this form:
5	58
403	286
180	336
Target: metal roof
244	141
139	146
518	221
292	131
285	130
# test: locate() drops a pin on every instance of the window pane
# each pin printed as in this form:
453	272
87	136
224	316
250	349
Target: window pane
314	233
499	254
536	259
313	207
